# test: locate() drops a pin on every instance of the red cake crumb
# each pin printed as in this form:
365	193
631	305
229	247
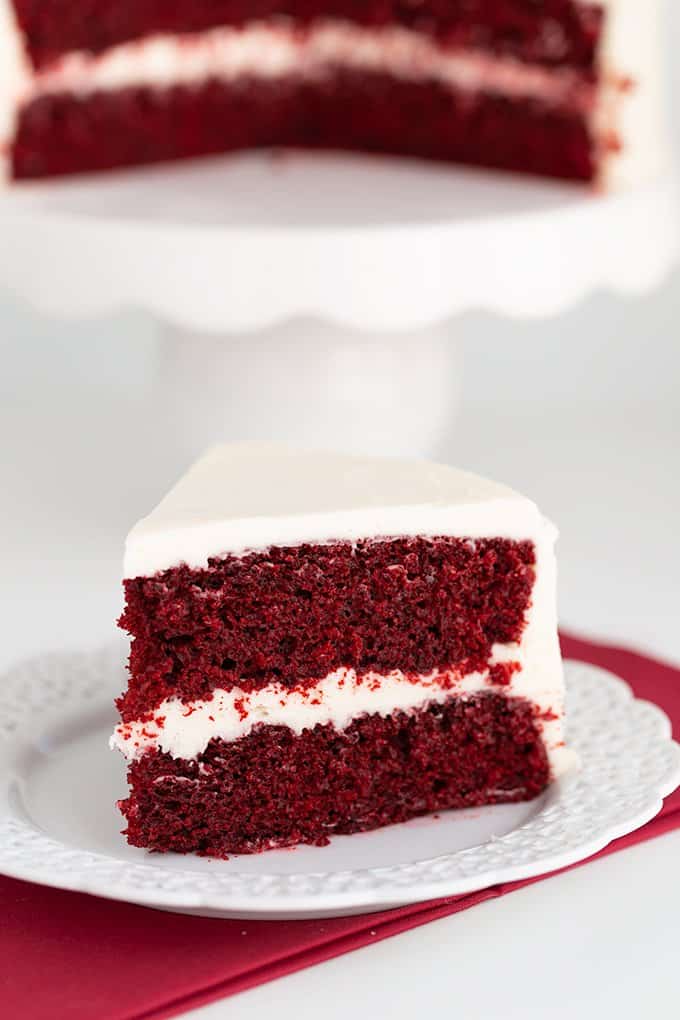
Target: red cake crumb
240	707
293	615
274	788
502	672
549	32
343	109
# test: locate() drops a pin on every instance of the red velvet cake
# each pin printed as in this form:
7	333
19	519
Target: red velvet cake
563	88
323	644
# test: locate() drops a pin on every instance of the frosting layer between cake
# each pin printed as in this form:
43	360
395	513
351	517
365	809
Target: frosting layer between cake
266	50
184	729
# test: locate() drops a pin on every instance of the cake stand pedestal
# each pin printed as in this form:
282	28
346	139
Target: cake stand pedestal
311	297
312	382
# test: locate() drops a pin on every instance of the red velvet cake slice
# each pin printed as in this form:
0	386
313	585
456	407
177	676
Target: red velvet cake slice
325	644
542	86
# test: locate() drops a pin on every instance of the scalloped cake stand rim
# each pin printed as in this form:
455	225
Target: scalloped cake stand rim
629	763
363	242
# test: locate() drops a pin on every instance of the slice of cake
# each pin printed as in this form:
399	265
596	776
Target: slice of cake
325	644
564	88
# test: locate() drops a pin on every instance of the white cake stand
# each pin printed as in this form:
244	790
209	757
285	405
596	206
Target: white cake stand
311	297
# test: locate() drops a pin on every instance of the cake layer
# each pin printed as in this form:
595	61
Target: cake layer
336	90
292	615
275	787
548	32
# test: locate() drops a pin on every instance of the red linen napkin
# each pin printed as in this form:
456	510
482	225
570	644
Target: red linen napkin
78	957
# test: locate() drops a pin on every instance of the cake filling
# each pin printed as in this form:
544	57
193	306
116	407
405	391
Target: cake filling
185	729
275	51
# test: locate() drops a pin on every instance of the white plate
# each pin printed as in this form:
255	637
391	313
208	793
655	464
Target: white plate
59	825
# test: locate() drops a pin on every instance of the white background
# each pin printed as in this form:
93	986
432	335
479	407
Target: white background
583	415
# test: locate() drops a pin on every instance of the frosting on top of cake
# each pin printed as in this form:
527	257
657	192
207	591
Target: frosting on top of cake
251	495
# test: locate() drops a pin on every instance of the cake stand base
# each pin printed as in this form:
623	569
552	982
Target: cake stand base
312	383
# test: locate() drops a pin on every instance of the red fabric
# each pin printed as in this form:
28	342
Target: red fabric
80	957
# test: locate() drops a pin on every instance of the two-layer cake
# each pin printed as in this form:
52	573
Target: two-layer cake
564	88
324	644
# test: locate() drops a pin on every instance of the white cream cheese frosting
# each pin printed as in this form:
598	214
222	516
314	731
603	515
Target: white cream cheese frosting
269	49
184	729
244	496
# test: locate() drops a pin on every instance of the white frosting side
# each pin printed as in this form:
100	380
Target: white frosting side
184	730
632	50
15	77
273	49
244	496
